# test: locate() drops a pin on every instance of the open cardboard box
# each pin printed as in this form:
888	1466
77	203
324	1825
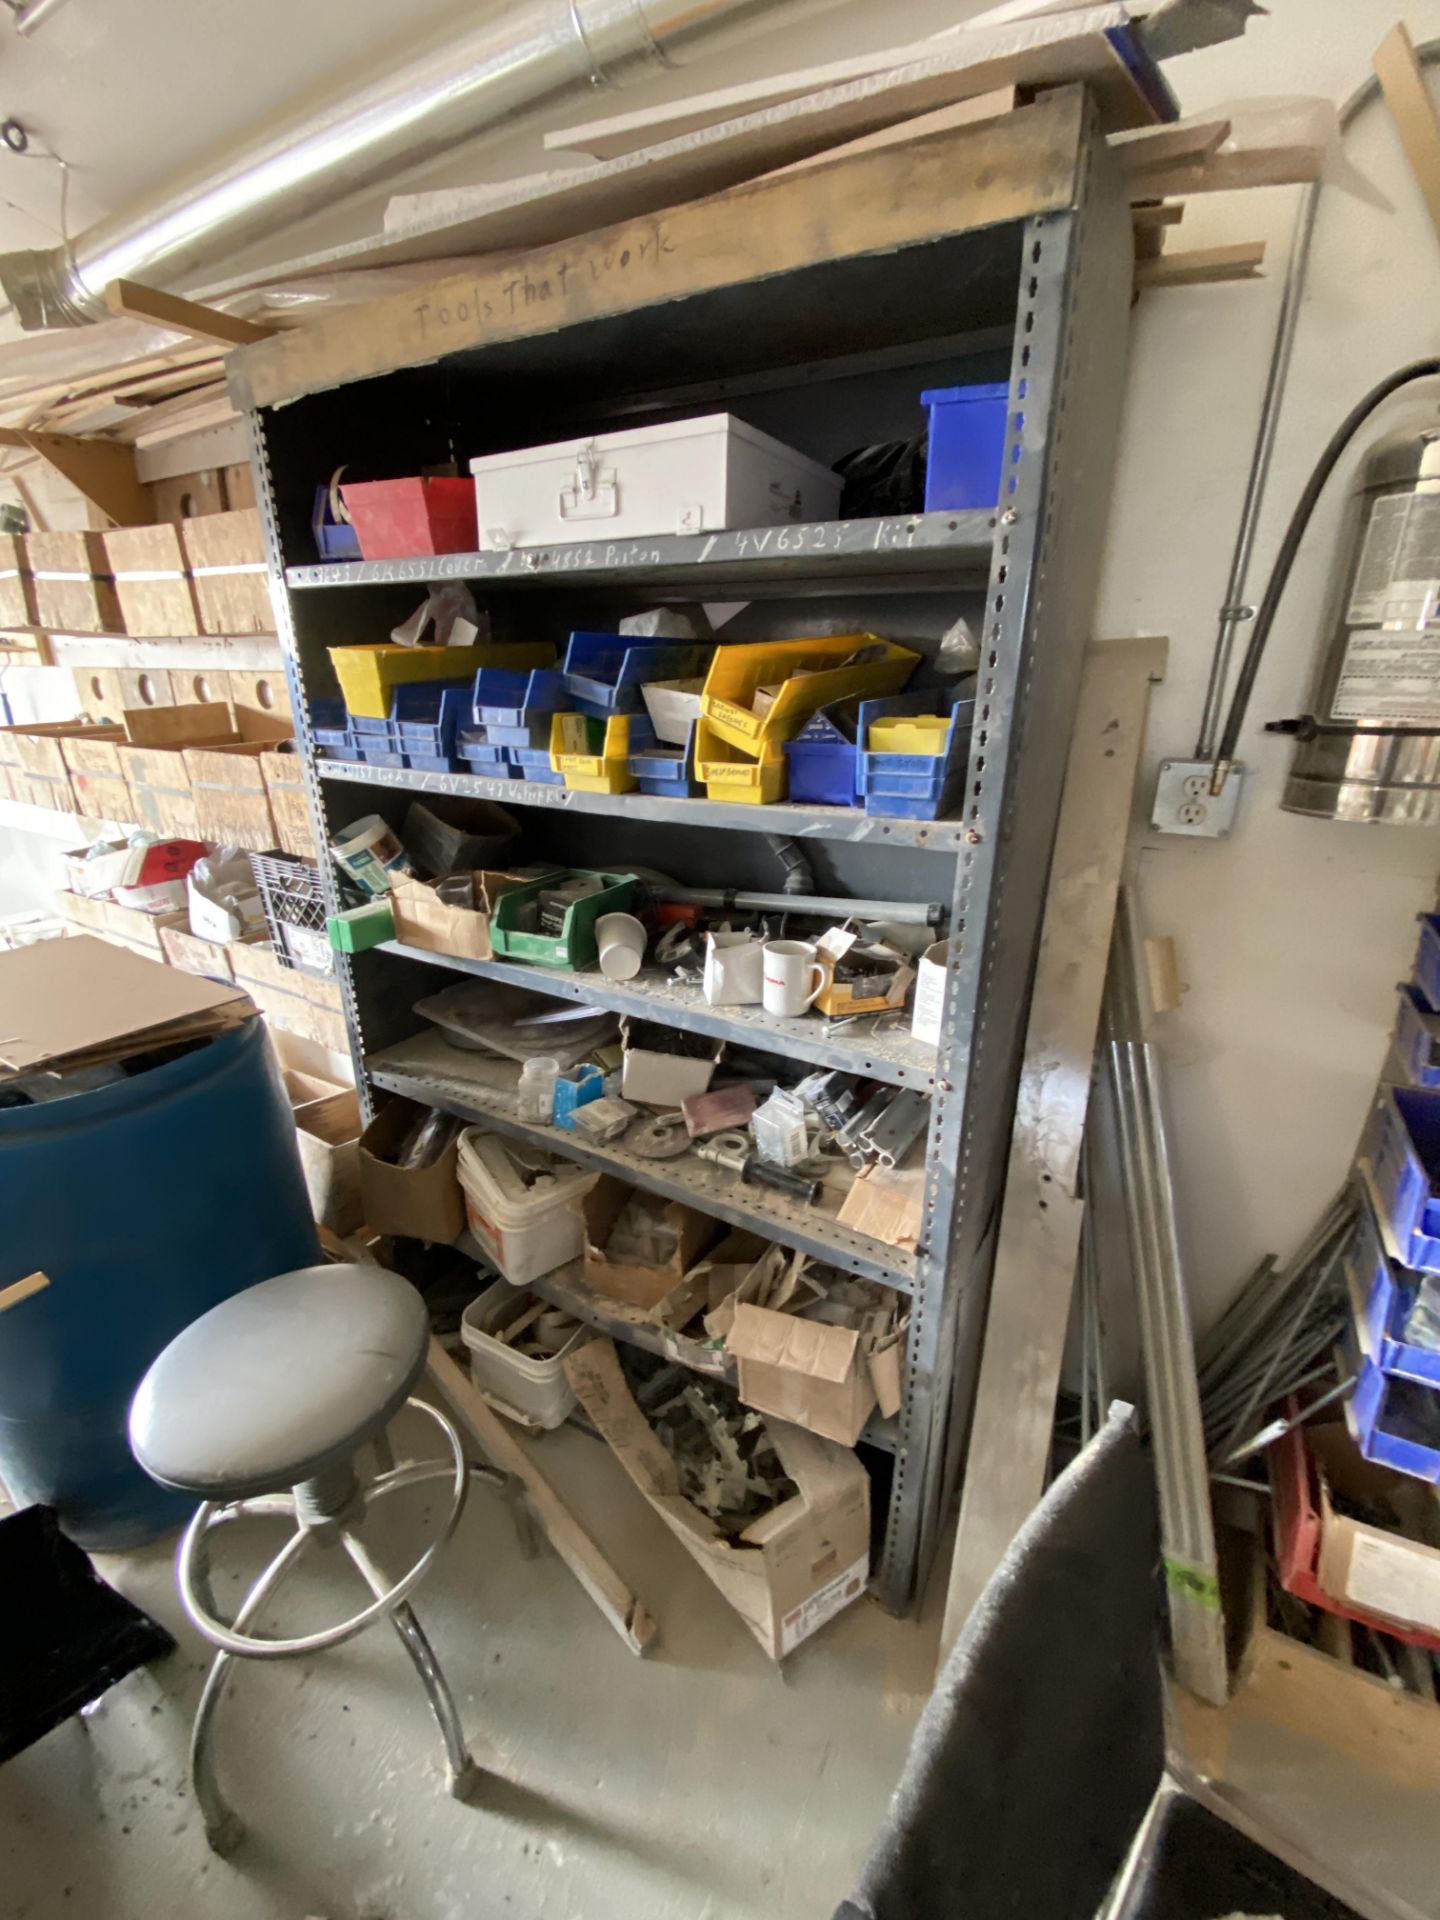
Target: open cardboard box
669	1291
327	1131
422	919
419	1203
789	1571
654	1078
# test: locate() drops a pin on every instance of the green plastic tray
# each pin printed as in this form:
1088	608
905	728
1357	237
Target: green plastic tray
575	945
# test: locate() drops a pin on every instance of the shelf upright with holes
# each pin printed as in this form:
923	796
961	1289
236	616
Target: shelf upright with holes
817	307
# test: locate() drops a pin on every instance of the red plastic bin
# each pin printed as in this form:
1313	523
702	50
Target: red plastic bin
396	519
1297	1506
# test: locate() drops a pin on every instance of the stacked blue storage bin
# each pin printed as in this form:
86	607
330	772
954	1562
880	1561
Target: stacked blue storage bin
1395	1407
509	738
329	724
659	766
604	672
824	758
914	786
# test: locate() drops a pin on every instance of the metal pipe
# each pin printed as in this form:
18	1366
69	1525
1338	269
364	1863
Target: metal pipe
412	104
905	913
1232	610
34	14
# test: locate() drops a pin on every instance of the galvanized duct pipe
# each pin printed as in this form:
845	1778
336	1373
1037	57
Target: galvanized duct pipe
469	77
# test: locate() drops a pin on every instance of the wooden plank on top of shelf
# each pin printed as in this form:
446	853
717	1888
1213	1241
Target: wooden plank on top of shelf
875	203
1412	108
129	300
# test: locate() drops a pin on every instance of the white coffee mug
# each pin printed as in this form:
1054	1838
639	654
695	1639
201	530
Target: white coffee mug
621	940
789	966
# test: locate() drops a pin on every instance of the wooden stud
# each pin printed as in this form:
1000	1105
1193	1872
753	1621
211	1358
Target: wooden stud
129	300
102	470
1041	1218
1143	152
1239	262
504	1450
1412	108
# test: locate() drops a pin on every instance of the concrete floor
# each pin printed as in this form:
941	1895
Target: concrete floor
699	1782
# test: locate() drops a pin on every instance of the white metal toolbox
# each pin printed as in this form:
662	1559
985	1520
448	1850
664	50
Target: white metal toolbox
692	476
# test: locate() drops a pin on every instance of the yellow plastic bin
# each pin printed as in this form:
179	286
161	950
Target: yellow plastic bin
592	756
731	775
795	678
369	674
922	733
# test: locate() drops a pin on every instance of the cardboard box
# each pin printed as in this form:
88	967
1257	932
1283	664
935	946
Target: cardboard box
327	1130
789	1571
226	556
192	954
74	592
153	759
232	802
283	775
424	1203
131	926
639	1286
97	776
802	1371
152	581
17	588
655	1078
422	918
1379	1572
885	983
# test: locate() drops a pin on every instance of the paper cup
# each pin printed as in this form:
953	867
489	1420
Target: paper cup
621	940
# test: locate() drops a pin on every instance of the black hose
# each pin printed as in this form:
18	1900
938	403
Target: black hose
1290	546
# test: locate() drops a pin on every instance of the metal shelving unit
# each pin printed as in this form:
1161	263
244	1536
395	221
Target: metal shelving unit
1019	258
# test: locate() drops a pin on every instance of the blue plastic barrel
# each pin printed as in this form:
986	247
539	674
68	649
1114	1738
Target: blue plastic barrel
145	1203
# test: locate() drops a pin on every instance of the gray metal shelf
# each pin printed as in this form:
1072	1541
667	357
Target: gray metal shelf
889	1054
427	1069
845	824
831	549
1058	264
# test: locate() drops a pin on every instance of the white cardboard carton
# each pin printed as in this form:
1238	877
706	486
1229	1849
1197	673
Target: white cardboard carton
792	1569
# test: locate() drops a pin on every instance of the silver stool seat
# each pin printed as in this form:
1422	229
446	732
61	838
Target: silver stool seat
260	1408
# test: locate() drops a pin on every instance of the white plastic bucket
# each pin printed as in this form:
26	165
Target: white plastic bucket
525	1231
534	1392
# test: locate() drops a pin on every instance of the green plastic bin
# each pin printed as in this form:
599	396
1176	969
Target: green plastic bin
575	945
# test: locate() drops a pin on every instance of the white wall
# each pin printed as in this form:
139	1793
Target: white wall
1292	933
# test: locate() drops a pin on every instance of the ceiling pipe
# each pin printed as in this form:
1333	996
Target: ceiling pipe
391	114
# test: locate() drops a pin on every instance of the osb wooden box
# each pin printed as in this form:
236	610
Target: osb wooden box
153	758
288	806
226	556
17	588
259	697
152	578
299	1002
107	692
125	926
231	798
97	775
74	592
40	775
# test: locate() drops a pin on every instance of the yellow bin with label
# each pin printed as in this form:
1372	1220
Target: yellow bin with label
369	674
592	755
756	697
731	775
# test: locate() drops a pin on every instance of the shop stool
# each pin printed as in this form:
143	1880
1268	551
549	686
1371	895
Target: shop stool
260	1407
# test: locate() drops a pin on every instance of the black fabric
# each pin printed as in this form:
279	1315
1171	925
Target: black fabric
1040	1748
1197	1867
65	1636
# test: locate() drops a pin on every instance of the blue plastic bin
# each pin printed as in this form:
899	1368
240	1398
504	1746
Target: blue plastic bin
426	717
1392	1419
503	698
578	1089
1401	1147
604	672
966	460
1426	972
1417	1038
330	728
533	763
659	766
334	539
914	786
481	755
824	758
1383	1295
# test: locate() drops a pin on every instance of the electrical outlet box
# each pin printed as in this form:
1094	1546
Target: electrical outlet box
1184	803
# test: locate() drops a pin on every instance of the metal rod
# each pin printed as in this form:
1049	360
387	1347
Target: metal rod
905	913
35	13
